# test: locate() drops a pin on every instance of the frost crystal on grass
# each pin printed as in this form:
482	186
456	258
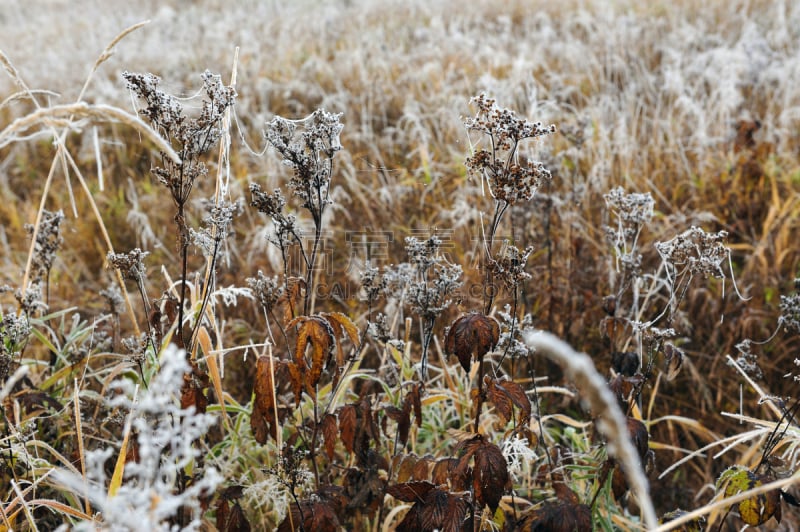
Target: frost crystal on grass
150	496
518	454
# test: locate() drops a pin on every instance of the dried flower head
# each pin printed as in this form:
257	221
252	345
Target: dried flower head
632	212
509	179
790	310
746	360
130	264
31	301
114	299
267	290
632	208
217	226
510	267
136	346
372	283
434	280
696	252
192	136
286	229
48	241
310	154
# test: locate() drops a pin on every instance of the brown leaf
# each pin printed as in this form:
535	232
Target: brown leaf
625	362
411	491
318	516
561	517
194	382
413	398
262	420
490	478
406	468
619	484
329	430
564	493
438	510
364	489
422	469
35	402
315	333
503	393
231	519
624	387
616	329
470	334
490	475
674	359
403	419
296	372
442	471
347	425
500	400
639	436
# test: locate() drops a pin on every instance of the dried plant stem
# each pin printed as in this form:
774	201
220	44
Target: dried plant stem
611	423
728	501
79	435
220	190
56	114
25	505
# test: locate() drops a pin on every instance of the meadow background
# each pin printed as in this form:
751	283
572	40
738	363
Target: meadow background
695	103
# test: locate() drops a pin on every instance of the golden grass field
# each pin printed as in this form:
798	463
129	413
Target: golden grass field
690	109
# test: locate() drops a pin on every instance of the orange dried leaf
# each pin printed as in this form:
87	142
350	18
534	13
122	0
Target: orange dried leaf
262	420
315	333
342	326
296	374
194	382
295	290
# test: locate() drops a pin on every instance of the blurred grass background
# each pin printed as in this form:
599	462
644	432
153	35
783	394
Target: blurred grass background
696	103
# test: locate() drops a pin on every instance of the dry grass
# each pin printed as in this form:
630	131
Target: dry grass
657	98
